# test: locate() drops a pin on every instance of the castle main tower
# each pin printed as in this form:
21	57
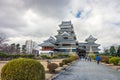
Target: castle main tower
66	38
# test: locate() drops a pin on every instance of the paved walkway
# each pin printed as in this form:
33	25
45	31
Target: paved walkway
85	70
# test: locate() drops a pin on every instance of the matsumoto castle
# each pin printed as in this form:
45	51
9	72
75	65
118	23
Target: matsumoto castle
65	41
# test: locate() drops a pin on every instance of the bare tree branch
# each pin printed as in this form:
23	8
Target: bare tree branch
3	38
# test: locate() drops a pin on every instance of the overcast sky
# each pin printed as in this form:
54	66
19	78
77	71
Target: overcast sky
22	20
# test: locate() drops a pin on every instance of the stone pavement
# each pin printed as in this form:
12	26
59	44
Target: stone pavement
85	70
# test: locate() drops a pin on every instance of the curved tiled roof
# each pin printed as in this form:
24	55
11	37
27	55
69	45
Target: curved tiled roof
47	44
91	38
65	34
65	23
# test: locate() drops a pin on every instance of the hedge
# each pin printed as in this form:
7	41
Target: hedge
114	60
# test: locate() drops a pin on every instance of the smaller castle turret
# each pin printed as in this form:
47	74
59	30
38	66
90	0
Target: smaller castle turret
90	43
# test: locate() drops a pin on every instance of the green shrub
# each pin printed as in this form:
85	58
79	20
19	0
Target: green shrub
52	67
31	56
93	57
62	55
66	61
2	55
45	57
55	56
23	69
15	56
73	57
110	57
104	59
114	60
61	64
27	56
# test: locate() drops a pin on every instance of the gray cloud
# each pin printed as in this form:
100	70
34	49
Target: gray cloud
11	14
49	8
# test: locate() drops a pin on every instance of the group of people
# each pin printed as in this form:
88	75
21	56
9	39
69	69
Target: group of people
88	58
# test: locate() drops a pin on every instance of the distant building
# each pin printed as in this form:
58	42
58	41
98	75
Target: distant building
29	46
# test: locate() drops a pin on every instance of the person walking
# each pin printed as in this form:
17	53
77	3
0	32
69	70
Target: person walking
85	58
89	58
98	59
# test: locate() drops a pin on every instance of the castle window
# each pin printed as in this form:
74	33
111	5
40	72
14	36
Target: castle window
75	38
66	44
65	37
72	32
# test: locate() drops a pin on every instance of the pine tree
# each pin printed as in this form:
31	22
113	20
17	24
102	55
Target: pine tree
3	38
112	51
118	51
106	51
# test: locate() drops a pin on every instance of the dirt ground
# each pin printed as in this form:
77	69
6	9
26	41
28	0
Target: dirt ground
112	66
